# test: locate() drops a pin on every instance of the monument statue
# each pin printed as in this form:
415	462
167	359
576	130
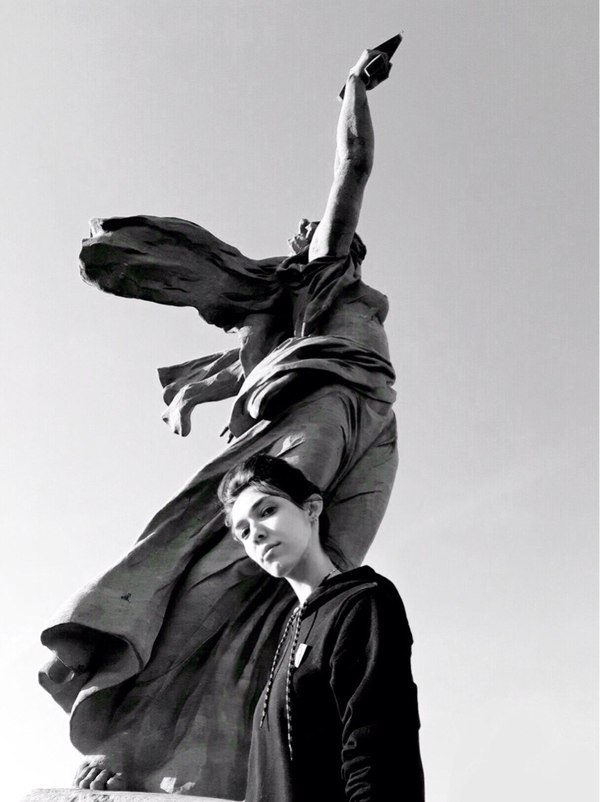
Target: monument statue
161	659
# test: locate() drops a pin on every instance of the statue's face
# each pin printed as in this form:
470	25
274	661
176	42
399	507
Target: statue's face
303	236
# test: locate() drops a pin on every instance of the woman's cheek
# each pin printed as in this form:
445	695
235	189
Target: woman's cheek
249	551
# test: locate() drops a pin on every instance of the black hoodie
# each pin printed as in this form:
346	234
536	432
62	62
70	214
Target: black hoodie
351	720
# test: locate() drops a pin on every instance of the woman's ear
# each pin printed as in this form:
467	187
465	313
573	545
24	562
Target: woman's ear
314	506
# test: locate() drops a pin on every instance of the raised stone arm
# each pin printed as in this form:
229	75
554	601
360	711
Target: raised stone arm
353	164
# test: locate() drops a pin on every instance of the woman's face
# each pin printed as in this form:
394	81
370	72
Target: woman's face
274	532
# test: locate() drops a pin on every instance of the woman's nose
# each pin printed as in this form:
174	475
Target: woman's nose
257	532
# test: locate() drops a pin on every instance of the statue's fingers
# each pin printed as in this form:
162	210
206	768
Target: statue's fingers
89	778
99	783
172	418
377	70
365	57
388	70
378	80
82	770
185	424
116	782
375	55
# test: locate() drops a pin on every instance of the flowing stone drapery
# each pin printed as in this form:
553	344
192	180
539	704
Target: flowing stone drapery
160	660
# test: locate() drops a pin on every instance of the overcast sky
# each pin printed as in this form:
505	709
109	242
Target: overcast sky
480	219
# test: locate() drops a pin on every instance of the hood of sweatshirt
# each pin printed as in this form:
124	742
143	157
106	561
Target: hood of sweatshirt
347	582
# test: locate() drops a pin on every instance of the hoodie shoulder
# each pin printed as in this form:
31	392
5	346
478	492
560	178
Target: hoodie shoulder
364	586
365	609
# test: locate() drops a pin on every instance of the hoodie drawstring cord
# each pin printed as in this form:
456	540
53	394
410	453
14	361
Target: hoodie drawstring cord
296	617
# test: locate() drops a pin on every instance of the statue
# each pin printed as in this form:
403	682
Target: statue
160	661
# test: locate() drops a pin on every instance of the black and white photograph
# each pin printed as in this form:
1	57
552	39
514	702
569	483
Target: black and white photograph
300	408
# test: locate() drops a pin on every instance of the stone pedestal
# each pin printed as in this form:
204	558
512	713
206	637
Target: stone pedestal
77	795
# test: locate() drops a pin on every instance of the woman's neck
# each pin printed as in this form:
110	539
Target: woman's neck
309	573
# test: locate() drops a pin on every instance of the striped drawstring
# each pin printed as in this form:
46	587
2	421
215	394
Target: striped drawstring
295	618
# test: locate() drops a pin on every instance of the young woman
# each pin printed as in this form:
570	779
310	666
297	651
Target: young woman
337	720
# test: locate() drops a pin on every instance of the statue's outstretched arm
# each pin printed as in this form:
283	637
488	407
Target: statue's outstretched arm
353	164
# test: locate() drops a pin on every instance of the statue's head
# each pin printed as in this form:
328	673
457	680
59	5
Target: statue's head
303	236
301	240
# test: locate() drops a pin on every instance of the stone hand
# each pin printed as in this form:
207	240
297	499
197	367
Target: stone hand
372	67
178	415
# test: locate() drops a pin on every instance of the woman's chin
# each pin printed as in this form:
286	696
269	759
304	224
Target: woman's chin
276	569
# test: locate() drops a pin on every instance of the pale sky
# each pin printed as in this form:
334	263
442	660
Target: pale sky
481	224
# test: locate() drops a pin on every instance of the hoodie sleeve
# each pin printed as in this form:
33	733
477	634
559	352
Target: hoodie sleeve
372	683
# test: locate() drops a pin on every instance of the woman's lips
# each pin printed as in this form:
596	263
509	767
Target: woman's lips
266	553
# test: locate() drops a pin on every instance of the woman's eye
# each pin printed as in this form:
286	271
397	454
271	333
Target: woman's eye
266	511
243	534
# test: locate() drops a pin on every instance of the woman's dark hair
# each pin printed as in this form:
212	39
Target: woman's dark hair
276	476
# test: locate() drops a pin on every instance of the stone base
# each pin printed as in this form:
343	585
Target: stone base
79	795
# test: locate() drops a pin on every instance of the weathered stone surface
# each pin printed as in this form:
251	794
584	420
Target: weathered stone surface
77	795
168	651
175	262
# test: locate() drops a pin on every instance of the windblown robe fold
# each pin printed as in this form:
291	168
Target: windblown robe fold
167	652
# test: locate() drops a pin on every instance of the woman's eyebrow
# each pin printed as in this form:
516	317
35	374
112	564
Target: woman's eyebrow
253	507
